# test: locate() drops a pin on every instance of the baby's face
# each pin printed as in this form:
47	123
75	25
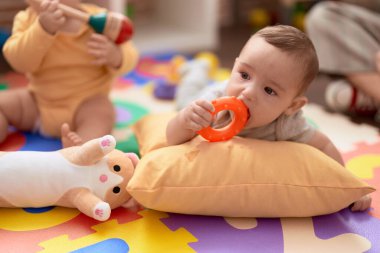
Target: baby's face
266	80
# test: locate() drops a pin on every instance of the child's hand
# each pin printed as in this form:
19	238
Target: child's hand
105	51
51	17
197	115
362	204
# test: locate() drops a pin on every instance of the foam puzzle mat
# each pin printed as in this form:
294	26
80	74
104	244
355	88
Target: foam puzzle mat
57	229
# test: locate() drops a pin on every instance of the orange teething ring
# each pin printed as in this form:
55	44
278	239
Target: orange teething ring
238	121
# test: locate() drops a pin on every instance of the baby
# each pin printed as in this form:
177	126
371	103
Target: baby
70	69
271	74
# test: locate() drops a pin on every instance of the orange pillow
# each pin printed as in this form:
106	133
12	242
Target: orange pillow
150	131
240	178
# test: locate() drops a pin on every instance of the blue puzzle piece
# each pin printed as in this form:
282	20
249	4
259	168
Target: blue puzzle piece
109	245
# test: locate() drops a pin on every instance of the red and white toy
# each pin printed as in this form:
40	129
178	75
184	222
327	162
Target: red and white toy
92	178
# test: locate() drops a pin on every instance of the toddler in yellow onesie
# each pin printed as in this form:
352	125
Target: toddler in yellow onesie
70	69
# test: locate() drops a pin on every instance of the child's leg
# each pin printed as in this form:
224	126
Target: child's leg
368	83
94	118
352	51
346	37
17	108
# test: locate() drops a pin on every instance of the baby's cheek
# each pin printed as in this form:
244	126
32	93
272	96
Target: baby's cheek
249	124
230	91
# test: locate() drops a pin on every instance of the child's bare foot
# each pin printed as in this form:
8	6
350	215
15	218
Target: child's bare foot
69	138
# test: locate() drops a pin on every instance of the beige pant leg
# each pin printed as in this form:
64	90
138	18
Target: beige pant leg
345	36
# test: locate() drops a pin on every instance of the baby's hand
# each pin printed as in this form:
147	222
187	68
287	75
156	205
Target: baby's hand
362	204
197	115
51	17
105	51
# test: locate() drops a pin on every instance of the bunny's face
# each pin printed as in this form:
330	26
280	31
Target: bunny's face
120	164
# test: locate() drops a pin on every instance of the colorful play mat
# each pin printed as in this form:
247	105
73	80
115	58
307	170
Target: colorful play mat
56	229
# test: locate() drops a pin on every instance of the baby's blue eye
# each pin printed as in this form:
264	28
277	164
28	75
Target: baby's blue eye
244	75
270	91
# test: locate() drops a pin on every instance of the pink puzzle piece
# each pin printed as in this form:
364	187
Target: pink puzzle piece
375	211
366	160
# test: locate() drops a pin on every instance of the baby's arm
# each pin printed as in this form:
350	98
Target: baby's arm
188	121
129	59
322	142
28	44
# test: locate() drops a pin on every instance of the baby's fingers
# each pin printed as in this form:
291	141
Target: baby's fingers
362	204
206	105
197	122
98	38
202	110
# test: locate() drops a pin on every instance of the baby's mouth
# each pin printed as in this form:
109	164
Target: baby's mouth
248	112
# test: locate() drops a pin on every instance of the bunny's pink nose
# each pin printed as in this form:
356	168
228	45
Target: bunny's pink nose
103	178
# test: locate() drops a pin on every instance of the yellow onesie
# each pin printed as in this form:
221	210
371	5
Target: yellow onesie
59	67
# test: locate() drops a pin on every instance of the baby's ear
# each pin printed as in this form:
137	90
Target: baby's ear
296	105
134	158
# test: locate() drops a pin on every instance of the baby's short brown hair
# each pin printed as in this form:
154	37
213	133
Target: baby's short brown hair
295	42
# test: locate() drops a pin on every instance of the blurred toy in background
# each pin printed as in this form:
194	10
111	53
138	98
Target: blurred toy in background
92	178
295	11
165	88
211	60
259	18
194	73
70	70
203	66
298	15
117	27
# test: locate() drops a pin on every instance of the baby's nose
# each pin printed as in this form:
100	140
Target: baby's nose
247	94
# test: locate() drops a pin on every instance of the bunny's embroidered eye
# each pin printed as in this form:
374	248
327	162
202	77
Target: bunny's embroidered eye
116	189
116	168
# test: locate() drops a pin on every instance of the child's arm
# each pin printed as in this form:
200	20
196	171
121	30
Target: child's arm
323	143
32	36
28	44
129	59
188	121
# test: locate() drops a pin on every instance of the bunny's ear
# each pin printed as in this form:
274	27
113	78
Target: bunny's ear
134	158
